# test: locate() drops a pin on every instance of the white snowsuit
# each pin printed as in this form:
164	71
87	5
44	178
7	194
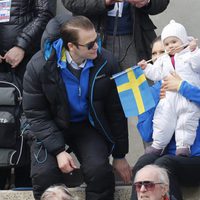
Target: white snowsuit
175	112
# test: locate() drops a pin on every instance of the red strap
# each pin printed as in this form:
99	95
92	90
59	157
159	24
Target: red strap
173	61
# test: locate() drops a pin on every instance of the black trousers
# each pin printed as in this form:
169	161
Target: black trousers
181	170
92	151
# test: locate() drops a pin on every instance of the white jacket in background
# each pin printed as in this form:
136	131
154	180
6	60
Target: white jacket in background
174	112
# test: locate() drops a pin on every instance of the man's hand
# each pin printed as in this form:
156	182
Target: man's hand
172	82
109	2
65	162
14	56
123	169
142	64
138	3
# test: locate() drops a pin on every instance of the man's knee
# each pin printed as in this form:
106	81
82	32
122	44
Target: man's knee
164	161
98	171
44	177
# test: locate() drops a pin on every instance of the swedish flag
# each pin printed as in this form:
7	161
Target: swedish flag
134	91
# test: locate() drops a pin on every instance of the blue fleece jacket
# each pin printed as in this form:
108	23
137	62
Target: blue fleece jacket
77	89
145	125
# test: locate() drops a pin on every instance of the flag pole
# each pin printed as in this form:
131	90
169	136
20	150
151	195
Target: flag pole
148	61
123	72
177	48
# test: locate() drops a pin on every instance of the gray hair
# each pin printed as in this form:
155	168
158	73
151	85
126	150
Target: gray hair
162	173
57	192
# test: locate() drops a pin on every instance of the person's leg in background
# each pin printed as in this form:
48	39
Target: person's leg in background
22	176
92	152
22	170
4	176
123	49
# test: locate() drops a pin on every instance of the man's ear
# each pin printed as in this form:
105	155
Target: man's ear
165	189
71	46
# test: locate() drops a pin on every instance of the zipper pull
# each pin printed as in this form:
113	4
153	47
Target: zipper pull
79	91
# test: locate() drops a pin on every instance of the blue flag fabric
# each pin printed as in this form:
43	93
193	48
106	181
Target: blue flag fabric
134	92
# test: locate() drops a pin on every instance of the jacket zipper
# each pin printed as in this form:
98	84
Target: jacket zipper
91	98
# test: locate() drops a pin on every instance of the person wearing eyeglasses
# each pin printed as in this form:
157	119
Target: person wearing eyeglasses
70	100
151	182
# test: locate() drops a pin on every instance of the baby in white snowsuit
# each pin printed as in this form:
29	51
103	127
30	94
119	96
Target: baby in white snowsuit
175	113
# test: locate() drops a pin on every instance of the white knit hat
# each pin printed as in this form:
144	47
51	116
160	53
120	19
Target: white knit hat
174	29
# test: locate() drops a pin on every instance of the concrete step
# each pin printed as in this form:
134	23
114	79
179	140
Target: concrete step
121	193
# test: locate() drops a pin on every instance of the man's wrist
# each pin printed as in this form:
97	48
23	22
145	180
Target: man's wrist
108	2
148	1
119	156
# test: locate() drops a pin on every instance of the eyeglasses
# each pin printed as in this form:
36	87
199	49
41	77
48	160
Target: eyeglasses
89	45
149	185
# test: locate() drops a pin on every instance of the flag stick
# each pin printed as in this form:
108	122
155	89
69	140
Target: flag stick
123	72
148	61
152	59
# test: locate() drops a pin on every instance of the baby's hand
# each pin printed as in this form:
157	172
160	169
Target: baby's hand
142	64
193	45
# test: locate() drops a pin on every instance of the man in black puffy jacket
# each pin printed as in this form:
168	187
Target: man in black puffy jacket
69	99
20	37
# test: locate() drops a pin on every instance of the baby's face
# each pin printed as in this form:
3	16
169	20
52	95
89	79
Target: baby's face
157	50
173	45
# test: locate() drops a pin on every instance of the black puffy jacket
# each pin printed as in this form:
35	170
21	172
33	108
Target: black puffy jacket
28	19
46	106
143	27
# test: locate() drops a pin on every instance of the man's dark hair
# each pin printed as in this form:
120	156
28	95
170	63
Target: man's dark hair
70	29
